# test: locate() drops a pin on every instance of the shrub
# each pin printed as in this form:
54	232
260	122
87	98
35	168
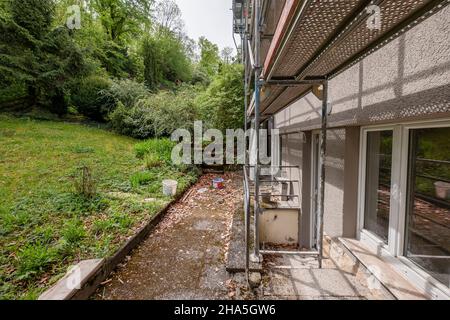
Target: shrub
156	115
221	104
136	122
128	92
91	99
153	161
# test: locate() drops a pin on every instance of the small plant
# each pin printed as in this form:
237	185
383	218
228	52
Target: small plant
141	178
34	259
81	149
84	182
73	232
153	161
161	147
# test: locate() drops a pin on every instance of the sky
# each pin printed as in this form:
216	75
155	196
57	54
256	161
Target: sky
210	18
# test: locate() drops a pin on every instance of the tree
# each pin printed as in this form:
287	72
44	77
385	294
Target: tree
165	61
32	54
222	103
209	56
123	18
227	55
168	17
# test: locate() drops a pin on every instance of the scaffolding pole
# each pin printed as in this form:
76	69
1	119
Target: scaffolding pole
323	152
257	69
252	56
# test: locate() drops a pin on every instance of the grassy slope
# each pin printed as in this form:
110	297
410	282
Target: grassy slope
44	225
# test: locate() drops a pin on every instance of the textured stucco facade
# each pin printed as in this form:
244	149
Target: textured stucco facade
406	80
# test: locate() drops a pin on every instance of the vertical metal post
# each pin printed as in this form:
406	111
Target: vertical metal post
323	152
247	205
257	35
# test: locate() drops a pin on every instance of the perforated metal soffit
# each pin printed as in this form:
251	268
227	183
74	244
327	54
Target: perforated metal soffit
328	35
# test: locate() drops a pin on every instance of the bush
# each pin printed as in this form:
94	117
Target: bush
157	115
90	98
128	92
153	161
135	122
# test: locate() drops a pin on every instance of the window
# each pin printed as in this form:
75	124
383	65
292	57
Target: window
404	201
378	183
428	204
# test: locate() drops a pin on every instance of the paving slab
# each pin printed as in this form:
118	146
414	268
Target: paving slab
184	257
236	251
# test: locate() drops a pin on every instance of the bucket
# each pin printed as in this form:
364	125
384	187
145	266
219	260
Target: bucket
442	190
218	183
170	188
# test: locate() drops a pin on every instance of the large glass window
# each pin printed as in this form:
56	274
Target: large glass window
378	183
428	211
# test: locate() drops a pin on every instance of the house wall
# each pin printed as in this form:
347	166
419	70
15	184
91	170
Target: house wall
408	79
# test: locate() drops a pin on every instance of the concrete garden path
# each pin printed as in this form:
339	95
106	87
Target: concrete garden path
184	258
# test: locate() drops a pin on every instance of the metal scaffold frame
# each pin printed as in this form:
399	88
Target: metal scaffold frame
251	56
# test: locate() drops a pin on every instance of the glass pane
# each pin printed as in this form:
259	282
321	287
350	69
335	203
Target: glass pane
378	183
428	228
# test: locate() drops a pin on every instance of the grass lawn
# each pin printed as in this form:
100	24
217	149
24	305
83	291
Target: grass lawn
45	224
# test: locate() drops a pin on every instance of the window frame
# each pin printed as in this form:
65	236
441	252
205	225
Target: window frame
394	251
362	232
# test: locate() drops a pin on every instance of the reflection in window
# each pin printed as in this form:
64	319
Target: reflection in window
378	183
428	218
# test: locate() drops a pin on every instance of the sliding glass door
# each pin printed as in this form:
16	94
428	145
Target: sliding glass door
428	202
405	199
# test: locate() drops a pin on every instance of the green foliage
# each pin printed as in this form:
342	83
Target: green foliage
73	231
128	92
222	103
91	97
161	147
42	59
209	57
34	259
135	122
157	115
153	161
122	19
165	61
33	15
141	178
